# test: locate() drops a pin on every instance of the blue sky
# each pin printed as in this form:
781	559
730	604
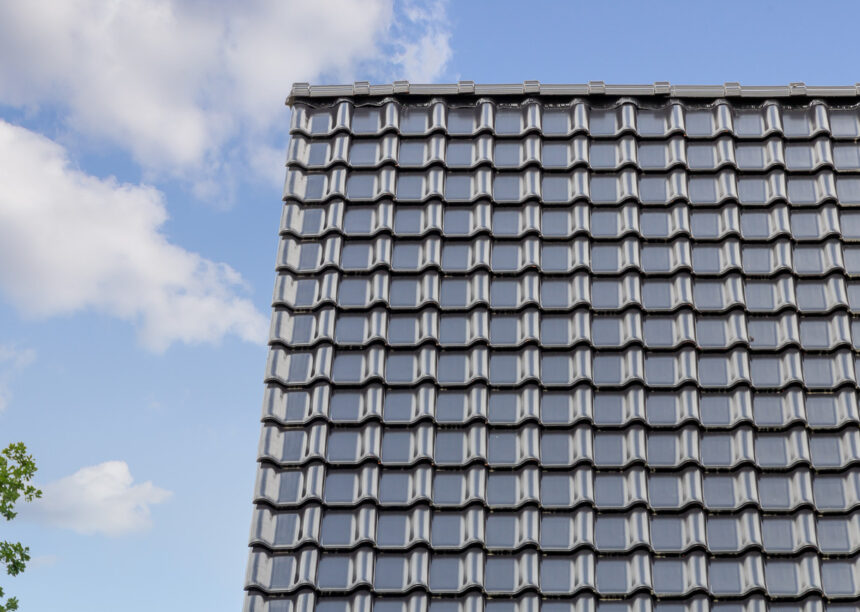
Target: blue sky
141	163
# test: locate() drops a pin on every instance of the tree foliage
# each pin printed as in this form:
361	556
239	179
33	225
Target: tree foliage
17	469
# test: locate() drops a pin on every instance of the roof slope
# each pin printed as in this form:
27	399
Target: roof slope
583	353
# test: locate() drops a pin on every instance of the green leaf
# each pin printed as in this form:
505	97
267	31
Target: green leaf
10	605
15	556
17	468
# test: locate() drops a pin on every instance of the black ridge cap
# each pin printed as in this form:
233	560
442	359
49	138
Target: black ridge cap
301	91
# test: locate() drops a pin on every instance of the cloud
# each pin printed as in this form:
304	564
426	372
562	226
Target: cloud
99	499
71	241
179	83
424	41
42	561
12	361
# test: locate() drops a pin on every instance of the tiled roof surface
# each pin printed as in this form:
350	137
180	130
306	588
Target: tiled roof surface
582	354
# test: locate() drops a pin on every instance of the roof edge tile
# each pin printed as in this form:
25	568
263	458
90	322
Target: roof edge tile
365	89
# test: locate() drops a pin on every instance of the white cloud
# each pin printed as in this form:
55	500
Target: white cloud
190	91
424	45
12	361
177	83
70	241
42	561
99	499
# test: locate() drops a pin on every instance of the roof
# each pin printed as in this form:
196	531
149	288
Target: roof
594	355
363	89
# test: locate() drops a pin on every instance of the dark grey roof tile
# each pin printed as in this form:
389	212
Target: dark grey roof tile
676	533
736	575
794	577
785	534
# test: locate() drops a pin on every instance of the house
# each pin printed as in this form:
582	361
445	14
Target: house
570	348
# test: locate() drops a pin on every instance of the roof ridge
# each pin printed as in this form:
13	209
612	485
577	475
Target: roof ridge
658	88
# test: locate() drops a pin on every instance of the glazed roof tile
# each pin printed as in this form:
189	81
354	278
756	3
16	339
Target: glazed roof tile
564	348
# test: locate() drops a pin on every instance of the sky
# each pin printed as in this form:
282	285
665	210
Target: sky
141	168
